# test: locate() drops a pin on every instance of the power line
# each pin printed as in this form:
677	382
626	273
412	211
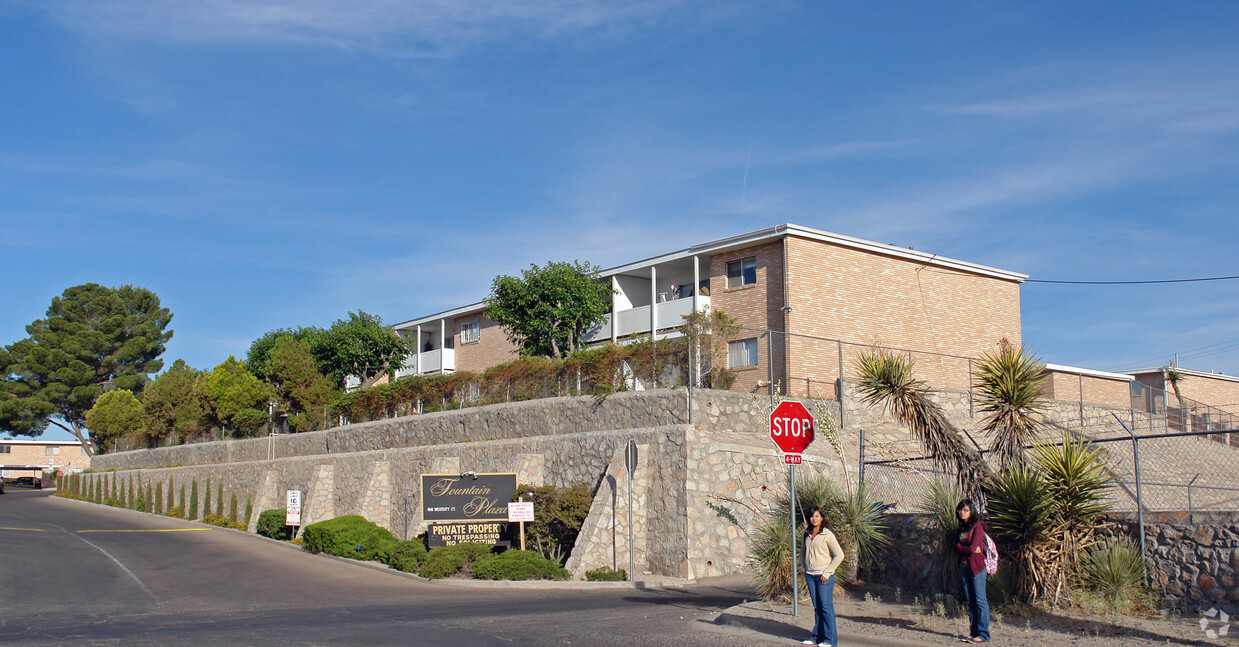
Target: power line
1196	280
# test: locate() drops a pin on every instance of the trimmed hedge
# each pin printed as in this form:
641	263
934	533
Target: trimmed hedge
606	574
271	524
517	565
350	536
407	556
446	561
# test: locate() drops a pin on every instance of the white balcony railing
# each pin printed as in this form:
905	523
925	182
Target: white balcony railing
433	361
637	320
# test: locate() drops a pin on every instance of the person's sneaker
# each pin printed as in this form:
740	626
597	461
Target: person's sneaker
807	641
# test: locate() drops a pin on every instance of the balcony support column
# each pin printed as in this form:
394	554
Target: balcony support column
442	345
614	320
653	303
417	369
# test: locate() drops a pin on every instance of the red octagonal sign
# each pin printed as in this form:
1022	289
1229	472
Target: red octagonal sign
791	427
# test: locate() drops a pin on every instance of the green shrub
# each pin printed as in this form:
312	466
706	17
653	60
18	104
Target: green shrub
517	565
157	501
193	500
407	556
606	574
443	562
206	499
350	536
1114	569
558	517
216	520
271	524
249	511
180	505
174	511
232	508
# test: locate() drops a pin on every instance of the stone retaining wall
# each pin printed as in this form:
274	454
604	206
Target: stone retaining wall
1193	558
548	417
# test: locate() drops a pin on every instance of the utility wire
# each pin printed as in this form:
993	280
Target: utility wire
1197	280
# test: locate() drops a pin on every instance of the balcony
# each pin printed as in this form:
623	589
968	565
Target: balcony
635	321
441	360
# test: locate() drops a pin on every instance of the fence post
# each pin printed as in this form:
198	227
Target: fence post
770	360
971	412
1135	451
1189	496
842	424
861	476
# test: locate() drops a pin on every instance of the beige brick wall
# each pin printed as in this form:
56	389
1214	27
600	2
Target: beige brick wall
1059	385
754	306
870	298
1216	392
491	349
66	456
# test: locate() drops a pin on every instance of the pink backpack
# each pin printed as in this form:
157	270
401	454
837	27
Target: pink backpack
991	556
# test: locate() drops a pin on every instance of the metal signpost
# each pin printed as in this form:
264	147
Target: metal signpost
791	429
630	461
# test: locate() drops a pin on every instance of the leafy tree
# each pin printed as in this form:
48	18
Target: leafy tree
176	405
548	310
301	392
259	353
115	414
92	337
238	399
360	346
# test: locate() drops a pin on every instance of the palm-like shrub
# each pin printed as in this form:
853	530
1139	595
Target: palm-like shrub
1077	481
1046	514
1115	569
1021	522
886	378
1008	388
938	502
858	522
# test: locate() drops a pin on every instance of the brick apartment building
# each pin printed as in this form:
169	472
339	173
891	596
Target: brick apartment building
808	300
21	457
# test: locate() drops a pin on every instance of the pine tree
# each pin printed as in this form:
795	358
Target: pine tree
206	500
193	500
182	501
249	511
171	502
157	502
232	508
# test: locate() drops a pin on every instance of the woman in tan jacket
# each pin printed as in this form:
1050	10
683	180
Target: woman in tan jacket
822	556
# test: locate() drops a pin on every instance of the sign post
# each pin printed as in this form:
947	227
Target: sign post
630	461
520	512
791	430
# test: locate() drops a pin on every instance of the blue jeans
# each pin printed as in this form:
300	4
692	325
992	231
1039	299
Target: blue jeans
978	606
822	592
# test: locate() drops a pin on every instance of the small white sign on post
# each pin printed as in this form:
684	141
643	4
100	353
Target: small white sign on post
292	509
520	511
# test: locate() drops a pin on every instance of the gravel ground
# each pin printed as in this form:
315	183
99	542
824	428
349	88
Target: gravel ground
891	623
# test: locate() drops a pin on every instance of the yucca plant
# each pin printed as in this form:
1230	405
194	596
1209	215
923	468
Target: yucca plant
1022	522
938	502
886	378
857	521
1077	482
1008	391
1114	568
770	554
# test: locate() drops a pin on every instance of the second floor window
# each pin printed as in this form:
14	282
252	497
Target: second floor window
51	450
5	449
470	331
742	272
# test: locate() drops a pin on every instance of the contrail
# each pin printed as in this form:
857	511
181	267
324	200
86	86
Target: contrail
744	186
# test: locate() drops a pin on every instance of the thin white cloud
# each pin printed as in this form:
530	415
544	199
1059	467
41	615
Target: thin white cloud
431	26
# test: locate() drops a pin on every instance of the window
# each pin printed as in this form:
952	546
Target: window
742	353
50	450
470	332
742	272
6	449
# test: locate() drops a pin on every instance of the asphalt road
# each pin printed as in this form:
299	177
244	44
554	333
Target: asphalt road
82	574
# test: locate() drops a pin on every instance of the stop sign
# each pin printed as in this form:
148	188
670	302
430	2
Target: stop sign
791	427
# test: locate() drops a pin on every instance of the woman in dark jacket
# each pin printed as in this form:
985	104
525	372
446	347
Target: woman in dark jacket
970	546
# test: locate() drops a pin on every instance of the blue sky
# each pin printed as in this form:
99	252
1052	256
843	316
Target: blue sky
274	164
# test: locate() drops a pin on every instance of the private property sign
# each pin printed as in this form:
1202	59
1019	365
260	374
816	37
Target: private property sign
791	427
